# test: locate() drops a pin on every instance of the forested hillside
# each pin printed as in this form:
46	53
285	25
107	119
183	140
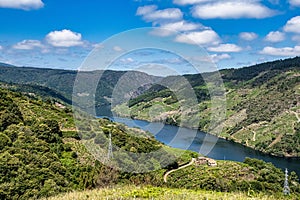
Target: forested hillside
60	83
41	155
263	105
262	100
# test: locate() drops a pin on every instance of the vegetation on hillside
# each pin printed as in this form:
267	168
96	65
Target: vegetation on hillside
262	100
164	193
263	106
41	153
60	83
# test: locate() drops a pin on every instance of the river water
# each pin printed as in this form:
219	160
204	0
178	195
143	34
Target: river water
185	138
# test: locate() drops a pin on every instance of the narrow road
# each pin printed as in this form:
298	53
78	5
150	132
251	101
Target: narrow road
174	170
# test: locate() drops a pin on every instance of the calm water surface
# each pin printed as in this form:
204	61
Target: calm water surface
185	138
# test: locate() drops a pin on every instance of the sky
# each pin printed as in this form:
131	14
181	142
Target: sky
62	33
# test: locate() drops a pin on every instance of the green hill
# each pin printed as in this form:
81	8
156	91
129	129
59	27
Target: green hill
262	105
41	155
62	81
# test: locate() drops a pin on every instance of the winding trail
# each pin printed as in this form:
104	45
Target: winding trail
174	170
297	115
278	139
254	136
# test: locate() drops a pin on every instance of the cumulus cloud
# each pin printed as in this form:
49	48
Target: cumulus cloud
296	38
126	60
226	48
294	2
180	26
206	37
151	14
293	25
188	2
248	36
21	4
98	45
28	45
232	10
117	48
285	51
64	38
218	57
144	10
275	36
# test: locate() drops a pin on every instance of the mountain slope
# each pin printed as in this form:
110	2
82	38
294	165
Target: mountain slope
263	105
62	81
41	155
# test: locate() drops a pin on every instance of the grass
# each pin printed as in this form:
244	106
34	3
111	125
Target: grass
161	193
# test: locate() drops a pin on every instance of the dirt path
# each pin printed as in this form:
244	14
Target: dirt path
254	136
276	140
297	115
174	170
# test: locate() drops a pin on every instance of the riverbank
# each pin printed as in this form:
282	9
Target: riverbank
221	136
222	150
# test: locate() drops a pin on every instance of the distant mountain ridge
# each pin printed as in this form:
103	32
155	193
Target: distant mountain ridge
62	81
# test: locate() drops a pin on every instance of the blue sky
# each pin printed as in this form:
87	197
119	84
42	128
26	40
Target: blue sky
235	33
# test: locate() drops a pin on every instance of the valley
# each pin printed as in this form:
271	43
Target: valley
45	150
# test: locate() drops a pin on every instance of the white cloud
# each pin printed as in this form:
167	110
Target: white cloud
188	2
296	38
232	10
151	14
117	48
1	47
22	4
218	57
285	51
206	37
275	36
226	48
248	36
180	26
293	25
64	38
294	2
126	60
28	45
98	45
144	10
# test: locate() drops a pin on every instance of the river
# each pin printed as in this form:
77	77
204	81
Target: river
194	140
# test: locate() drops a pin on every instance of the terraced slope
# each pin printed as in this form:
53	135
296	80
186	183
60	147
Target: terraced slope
262	106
